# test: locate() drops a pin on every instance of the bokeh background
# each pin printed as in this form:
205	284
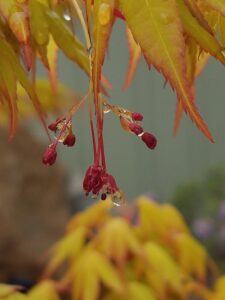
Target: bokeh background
37	201
175	160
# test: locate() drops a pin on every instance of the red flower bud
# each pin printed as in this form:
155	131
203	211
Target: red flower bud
149	139
70	140
103	196
136	116
49	156
53	126
135	128
93	180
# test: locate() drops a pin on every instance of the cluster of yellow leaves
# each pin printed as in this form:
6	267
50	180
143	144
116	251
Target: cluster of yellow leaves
175	36
151	257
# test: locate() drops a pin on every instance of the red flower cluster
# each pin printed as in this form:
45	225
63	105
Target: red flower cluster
136	128
98	181
149	140
134	125
70	140
50	155
136	116
65	135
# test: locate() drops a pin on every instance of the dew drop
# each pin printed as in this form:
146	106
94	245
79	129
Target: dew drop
118	198
67	17
166	18
140	135
65	133
104	14
106	109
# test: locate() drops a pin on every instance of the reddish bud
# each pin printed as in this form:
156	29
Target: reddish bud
70	140
135	128
149	139
111	184
97	181
93	180
136	116
53	126
103	196
49	156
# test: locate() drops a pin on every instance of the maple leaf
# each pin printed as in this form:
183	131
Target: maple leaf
218	5
135	55
103	19
164	48
160	263
116	241
8	87
198	14
66	41
91	270
196	59
67	248
44	290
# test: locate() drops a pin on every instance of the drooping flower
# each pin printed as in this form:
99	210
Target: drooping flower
70	140
136	128
149	140
98	181
50	155
136	116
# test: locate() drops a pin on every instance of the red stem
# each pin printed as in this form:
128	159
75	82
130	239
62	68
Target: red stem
102	146
93	138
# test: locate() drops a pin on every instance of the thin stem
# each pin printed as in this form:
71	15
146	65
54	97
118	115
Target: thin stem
72	111
102	146
83	23
93	138
88	45
100	150
77	106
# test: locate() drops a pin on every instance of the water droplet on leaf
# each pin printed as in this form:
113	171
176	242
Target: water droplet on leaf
106	109
67	17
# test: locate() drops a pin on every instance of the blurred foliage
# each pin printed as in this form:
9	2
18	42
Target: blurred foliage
202	204
148	255
185	33
51	101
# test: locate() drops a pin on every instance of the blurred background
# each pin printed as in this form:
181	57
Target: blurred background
175	160
37	201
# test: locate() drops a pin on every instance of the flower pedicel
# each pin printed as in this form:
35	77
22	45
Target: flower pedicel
97	181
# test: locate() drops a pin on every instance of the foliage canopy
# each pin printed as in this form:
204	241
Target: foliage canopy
147	255
177	37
